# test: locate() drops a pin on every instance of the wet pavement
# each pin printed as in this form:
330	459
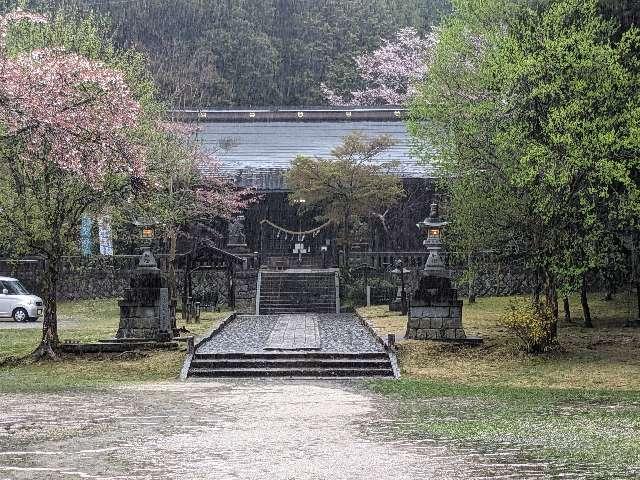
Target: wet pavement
235	429
343	333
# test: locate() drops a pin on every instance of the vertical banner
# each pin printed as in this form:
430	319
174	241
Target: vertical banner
104	235
85	235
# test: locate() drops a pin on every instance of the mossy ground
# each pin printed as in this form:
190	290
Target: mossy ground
88	321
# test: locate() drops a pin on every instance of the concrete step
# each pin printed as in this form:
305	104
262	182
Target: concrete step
291	372
292	310
297	288
301	293
281	303
292	355
280	363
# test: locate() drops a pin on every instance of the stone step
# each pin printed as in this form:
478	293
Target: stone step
279	363
296	302
307	293
293	355
291	372
286	275
296	286
294	310
299	307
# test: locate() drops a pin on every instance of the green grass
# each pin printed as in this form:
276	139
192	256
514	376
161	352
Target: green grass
606	357
574	426
578	404
88	321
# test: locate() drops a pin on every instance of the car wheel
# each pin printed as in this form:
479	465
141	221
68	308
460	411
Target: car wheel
20	315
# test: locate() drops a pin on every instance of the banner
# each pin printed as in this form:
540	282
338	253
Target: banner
85	235
104	235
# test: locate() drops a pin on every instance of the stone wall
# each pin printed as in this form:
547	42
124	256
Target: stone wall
99	277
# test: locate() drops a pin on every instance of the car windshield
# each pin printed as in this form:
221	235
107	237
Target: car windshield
14	287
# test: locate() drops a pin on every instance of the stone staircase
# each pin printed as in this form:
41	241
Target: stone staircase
291	364
297	291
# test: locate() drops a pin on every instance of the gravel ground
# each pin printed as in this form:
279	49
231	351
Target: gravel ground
250	334
245	430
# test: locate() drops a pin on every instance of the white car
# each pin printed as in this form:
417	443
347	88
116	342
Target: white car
16	302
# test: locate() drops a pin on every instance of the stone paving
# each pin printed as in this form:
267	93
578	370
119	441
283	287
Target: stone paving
340	333
236	429
295	332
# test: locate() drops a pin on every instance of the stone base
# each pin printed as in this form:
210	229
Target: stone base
436	321
117	346
142	322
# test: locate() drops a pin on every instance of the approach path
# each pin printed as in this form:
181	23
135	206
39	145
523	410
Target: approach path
232	429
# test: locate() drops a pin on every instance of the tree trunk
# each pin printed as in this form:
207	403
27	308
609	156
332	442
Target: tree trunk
50	341
472	281
346	241
637	282
551	298
171	267
567	310
585	303
537	288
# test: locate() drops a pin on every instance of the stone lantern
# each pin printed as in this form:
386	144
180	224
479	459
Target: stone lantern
432	227
146	313
435	313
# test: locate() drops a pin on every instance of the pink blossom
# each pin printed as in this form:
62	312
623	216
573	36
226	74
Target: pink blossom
178	129
70	111
392	71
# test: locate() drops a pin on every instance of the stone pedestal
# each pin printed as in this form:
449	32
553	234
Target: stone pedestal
146	312
436	321
435	312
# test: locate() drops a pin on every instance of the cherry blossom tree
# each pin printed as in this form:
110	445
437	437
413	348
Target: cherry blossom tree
68	145
391	72
185	186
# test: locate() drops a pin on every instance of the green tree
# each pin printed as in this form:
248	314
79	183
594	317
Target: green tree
534	113
347	187
74	114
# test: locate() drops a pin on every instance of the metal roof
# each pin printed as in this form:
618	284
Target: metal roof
288	114
273	145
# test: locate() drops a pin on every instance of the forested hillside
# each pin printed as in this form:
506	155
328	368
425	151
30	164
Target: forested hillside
263	52
256	52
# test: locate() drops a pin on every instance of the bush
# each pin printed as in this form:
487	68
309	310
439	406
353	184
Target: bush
533	323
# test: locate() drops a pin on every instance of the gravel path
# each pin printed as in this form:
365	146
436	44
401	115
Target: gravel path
342	333
245	430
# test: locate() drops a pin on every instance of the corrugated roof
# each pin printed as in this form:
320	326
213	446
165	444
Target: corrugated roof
275	145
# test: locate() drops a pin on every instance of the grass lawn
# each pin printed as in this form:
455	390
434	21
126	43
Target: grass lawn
88	320
579	403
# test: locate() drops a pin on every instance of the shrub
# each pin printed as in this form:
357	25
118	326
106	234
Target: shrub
533	323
